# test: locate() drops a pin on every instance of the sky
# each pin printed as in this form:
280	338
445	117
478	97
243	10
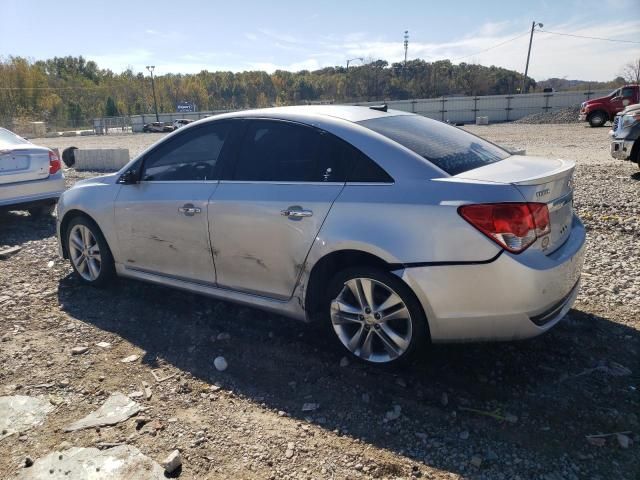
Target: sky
187	36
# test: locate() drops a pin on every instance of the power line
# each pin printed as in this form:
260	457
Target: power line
491	48
590	38
55	88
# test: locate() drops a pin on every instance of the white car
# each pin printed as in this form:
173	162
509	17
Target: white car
31	176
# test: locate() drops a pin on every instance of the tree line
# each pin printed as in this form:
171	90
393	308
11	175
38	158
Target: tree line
70	91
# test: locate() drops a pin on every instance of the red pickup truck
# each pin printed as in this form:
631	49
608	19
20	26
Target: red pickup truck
598	111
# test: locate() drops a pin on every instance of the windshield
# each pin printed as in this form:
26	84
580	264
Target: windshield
10	138
615	93
449	148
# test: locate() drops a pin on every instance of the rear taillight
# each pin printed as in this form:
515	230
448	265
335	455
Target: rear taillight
54	162
513	226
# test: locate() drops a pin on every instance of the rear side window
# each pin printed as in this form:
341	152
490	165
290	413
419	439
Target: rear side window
449	148
191	155
287	152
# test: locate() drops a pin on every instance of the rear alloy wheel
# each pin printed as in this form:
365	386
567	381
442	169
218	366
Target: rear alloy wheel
375	316
597	119
89	253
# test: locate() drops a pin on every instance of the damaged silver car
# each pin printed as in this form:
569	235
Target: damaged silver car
391	229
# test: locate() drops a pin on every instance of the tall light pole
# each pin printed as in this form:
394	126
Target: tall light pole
526	69
406	47
153	87
346	80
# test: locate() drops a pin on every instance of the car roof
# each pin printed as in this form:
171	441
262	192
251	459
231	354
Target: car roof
351	113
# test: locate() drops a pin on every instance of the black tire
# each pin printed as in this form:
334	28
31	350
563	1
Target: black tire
597	119
42	210
419	339
107	271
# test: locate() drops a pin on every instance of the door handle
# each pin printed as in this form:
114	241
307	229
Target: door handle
189	209
296	212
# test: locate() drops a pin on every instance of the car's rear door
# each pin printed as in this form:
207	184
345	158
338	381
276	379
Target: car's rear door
264	218
162	221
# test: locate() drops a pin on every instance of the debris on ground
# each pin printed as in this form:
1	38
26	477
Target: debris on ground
19	413
79	350
116	409
130	358
123	462
220	363
7	252
555	115
172	461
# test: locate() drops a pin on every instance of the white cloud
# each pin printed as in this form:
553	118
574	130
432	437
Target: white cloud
551	56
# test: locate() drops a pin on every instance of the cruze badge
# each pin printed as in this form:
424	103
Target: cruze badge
542	193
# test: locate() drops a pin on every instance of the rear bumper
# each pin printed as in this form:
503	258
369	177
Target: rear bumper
513	297
16	196
621	149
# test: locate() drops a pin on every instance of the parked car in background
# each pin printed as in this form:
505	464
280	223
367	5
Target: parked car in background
625	144
181	123
388	228
157	127
599	111
31	176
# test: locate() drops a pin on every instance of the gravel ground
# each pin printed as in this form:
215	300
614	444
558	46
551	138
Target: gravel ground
553	116
488	411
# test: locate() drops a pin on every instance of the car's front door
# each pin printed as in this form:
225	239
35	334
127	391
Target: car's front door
162	220
264	219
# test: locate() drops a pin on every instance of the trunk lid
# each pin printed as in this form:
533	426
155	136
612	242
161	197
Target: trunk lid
22	163
540	180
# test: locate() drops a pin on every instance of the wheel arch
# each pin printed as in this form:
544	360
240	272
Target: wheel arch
64	225
330	264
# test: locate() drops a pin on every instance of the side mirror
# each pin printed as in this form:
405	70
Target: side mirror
130	177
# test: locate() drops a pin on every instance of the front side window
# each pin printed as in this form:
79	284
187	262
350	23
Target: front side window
282	151
189	156
449	148
627	92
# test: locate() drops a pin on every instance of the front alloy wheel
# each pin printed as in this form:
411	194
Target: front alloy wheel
84	252
376	318
89	253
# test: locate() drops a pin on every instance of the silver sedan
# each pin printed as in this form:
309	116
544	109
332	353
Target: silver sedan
390	229
30	176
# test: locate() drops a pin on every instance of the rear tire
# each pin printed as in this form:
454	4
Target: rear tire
89	252
42	211
597	119
375	316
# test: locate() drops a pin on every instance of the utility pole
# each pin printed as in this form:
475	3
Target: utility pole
406	47
526	69
153	87
346	80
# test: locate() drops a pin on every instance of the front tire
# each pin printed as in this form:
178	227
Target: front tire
89	252
597	119
375	316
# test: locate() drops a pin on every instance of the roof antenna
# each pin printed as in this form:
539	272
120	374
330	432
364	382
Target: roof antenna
380	108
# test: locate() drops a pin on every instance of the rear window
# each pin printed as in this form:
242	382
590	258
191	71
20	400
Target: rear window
10	138
449	148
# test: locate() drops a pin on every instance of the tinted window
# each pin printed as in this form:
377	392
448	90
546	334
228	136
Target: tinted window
191	155
287	152
451	149
627	92
358	166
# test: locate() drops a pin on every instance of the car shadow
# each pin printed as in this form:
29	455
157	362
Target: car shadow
635	176
538	397
18	227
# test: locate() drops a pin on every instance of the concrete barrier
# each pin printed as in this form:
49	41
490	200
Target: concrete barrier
108	159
